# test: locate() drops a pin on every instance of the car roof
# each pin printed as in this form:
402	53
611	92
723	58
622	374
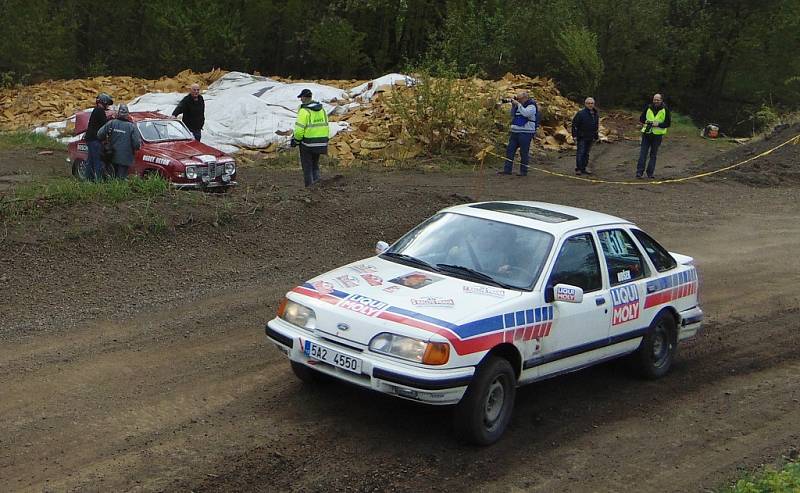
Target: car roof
138	116
553	218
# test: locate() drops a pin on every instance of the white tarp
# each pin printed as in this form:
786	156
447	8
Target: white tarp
244	110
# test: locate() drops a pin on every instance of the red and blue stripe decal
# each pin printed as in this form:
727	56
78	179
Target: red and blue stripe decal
672	287
471	337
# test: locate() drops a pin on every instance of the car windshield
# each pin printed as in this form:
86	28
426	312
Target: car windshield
480	250
163	130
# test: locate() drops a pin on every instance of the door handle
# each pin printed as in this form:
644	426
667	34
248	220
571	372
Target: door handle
600	300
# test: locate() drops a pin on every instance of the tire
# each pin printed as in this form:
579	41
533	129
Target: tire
79	169
485	410
306	374
657	351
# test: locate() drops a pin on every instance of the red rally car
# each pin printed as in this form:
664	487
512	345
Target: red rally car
168	149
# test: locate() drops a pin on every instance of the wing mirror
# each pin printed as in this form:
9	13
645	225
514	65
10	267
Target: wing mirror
381	247
563	292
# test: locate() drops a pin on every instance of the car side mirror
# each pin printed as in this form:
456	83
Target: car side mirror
568	293
381	247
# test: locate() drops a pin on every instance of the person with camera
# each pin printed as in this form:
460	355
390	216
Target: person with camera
124	139
94	168
585	130
655	119
524	114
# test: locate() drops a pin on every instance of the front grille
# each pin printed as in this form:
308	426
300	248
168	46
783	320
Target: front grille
213	170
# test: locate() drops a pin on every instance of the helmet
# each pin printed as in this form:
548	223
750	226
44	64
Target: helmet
105	99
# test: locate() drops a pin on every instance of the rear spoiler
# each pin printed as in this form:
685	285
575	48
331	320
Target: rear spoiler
682	259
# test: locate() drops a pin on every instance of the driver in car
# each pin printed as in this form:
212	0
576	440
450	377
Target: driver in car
485	252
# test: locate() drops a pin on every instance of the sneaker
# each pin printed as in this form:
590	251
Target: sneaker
522	174
638	176
503	172
586	172
577	172
652	177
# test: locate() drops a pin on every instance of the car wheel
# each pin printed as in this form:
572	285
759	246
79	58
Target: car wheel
657	351
306	374
79	169
485	410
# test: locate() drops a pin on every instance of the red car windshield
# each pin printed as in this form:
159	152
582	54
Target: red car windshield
163	130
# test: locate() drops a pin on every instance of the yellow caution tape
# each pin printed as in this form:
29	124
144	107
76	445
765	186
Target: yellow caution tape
794	140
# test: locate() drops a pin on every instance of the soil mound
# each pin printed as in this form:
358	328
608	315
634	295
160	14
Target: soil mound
778	168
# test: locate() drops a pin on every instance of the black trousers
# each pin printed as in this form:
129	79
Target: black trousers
309	160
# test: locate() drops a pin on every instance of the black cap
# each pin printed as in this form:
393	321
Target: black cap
305	93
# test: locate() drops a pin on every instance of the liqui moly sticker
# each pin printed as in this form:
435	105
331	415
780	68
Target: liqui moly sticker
323	287
433	301
566	294
484	290
347	281
372	279
364	268
626	304
363	305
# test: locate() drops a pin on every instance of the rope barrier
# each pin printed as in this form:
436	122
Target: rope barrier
795	140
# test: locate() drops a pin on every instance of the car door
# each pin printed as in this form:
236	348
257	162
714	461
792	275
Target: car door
627	277
580	330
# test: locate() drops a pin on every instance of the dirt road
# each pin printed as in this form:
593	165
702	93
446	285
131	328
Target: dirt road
141	364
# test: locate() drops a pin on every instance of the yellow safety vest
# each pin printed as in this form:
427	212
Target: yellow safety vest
658	117
311	127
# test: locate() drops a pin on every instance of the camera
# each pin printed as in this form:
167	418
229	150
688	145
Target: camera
505	100
648	128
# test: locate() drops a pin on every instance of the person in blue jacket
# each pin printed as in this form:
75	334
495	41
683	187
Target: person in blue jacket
524	114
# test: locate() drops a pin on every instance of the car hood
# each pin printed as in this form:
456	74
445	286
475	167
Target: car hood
359	300
181	149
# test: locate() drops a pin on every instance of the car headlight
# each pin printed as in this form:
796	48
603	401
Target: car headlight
230	167
191	172
297	314
429	353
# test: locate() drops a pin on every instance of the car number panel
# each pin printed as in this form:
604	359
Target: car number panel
332	357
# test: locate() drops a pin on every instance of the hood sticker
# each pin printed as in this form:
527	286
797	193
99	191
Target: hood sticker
391	289
157	160
372	279
416	279
323	287
433	301
364	268
484	290
347	281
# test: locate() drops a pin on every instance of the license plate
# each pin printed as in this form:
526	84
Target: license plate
332	357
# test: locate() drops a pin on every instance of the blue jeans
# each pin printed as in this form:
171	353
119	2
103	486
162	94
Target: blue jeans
309	161
122	171
582	156
196	134
521	141
94	165
650	143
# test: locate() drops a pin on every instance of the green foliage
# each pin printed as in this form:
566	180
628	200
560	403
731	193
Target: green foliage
338	50
766	116
583	67
67	191
443	113
29	140
786	480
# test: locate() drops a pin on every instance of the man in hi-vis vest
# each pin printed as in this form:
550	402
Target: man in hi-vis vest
655	120
311	134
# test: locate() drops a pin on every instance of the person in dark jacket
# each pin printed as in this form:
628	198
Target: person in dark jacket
193	108
125	140
94	166
655	119
585	130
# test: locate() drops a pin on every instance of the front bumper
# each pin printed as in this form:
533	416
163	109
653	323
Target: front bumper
691	322
203	186
379	373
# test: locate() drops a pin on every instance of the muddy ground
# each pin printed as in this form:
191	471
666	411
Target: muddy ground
135	360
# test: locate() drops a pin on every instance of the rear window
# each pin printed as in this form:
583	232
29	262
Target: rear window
658	254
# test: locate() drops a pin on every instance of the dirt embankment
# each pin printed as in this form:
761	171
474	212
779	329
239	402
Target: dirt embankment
138	362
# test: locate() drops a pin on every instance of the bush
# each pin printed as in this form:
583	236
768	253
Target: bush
443	113
787	480
583	66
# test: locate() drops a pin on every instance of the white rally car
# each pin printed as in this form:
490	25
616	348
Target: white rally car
481	298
